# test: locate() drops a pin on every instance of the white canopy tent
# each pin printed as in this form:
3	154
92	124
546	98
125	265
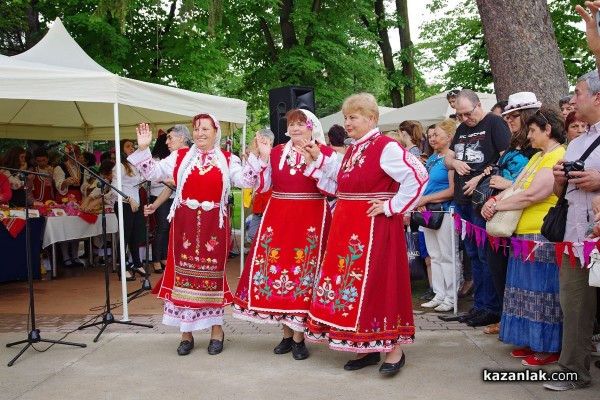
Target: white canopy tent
429	111
338	118
56	91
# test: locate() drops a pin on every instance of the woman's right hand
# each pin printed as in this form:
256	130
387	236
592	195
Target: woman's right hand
144	136
149	209
264	148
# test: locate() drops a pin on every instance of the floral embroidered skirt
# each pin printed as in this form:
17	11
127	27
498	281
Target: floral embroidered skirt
194	286
277	282
532	315
362	301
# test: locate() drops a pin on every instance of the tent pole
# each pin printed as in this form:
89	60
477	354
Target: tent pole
122	248
242	211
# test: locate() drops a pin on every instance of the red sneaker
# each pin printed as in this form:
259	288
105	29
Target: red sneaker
534	361
522	353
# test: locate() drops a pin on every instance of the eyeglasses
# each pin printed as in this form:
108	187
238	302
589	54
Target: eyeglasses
467	114
511	117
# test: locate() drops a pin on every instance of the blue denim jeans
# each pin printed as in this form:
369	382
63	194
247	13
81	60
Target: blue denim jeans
484	292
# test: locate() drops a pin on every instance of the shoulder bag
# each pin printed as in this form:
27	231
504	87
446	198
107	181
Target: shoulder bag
437	216
555	222
504	223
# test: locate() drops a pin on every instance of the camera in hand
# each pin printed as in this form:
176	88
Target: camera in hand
573	166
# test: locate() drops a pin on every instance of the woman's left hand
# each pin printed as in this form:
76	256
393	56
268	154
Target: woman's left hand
488	211
498	182
376	207
312	148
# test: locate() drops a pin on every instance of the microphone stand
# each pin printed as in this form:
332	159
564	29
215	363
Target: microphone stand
146	285
34	335
107	317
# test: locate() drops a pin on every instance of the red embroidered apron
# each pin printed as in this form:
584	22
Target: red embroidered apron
198	248
280	270
362	300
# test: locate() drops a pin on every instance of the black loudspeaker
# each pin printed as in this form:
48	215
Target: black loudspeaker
283	99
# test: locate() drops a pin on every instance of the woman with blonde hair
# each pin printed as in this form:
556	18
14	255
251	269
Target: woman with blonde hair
440	189
378	182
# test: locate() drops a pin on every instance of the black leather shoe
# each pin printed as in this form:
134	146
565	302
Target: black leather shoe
299	350
369	359
470	315
215	346
484	319
392	368
185	347
285	346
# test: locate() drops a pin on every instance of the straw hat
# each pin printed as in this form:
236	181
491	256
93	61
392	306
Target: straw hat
521	101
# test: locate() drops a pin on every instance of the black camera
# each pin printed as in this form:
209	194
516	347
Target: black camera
573	166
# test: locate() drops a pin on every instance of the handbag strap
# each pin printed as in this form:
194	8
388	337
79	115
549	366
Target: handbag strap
585	155
589	150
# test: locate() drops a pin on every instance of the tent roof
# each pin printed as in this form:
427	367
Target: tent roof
68	96
428	111
338	118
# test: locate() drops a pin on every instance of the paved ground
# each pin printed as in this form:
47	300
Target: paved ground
446	361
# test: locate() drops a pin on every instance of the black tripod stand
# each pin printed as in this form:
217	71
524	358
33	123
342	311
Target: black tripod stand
34	335
107	318
146	285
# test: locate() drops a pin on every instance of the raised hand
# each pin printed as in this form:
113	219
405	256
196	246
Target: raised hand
264	147
312	148
144	136
591	30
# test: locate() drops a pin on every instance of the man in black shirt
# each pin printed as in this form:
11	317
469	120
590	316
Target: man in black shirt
478	142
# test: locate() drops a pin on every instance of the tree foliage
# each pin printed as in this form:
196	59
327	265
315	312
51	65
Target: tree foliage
454	45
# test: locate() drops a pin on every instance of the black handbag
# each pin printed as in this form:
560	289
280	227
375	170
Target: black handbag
483	191
435	220
416	264
555	222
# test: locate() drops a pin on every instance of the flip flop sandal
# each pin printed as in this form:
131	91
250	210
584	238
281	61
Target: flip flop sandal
493	329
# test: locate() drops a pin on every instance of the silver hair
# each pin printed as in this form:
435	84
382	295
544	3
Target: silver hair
181	130
592	80
469	95
266	132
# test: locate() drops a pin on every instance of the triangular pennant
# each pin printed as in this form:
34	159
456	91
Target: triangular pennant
504	243
426	216
492	244
476	231
571	254
559	250
587	249
516	245
531	247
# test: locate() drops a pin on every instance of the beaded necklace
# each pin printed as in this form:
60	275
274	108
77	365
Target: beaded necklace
294	166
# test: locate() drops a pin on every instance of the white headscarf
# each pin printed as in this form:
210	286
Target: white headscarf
317	135
189	162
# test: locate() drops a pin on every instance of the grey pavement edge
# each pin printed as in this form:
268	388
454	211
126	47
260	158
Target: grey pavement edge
444	364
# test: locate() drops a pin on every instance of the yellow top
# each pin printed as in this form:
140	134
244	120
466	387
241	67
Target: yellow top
533	216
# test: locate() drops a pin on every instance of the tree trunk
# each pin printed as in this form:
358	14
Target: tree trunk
406	49
33	23
522	49
386	51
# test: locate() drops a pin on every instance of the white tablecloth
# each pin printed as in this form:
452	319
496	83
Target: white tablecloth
59	229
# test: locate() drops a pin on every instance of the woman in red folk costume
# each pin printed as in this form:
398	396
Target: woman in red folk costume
194	286
362	301
277	283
